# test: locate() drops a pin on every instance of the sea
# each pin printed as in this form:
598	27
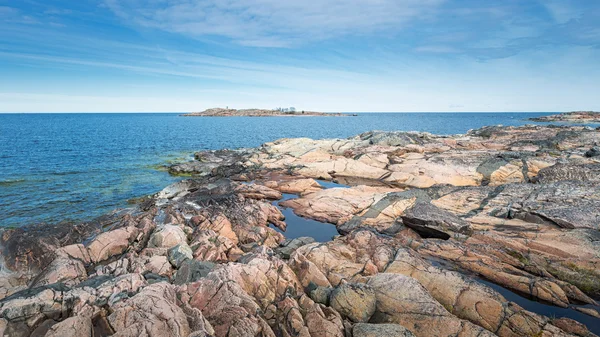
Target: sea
76	166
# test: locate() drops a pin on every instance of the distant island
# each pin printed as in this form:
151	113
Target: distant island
220	112
573	117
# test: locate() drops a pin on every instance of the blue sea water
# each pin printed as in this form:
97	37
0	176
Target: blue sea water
60	167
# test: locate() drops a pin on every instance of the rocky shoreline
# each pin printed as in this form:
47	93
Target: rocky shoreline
582	117
427	225
220	112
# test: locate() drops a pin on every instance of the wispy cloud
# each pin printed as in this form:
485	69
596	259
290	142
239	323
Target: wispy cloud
273	23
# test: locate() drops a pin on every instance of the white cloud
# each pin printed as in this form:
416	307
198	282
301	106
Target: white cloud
436	49
561	11
273	23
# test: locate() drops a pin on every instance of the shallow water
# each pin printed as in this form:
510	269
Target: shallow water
529	303
298	226
592	323
56	167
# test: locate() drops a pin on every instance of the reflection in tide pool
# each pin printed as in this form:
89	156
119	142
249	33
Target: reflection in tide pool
298	226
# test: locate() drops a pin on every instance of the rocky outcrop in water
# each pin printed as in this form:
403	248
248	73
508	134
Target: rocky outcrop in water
220	112
435	232
571	117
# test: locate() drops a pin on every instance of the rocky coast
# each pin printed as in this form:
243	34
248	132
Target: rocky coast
571	117
434	233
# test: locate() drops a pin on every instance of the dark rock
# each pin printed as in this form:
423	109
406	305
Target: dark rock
377	330
432	222
393	138
559	172
192	270
290	246
17	329
593	152
178	254
30	248
319	294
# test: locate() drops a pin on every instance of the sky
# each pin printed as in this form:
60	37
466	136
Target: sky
323	55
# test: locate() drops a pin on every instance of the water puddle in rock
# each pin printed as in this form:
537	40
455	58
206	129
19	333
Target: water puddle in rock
548	310
298	226
592	323
330	184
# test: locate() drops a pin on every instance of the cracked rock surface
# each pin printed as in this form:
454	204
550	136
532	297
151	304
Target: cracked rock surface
439	236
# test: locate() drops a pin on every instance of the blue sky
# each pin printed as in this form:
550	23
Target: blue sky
327	55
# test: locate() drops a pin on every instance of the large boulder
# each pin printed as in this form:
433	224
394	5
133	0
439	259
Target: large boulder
111	243
192	270
433	222
167	237
76	326
356	301
403	300
178	254
156	312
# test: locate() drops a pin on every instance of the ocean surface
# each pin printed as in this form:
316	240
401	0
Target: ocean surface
70	167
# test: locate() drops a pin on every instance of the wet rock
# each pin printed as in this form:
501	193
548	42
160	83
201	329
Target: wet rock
30	248
432	222
295	186
355	301
178	254
376	330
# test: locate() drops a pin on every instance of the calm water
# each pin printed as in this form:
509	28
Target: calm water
56	167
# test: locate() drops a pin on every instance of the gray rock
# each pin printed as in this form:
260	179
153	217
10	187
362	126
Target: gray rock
377	330
290	246
567	204
356	301
192	270
560	172
178	254
393	138
319	294
593	152
432	222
